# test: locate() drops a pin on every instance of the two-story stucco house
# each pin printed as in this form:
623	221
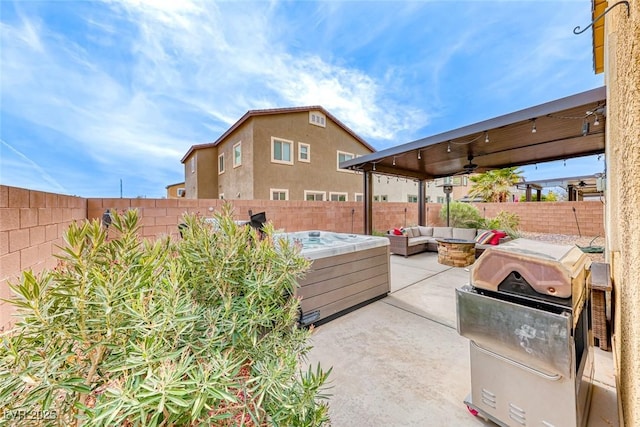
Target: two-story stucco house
278	154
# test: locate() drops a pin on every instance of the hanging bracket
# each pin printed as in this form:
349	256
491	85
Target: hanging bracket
577	29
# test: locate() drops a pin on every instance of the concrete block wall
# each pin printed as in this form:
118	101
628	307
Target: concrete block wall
32	223
553	217
32	226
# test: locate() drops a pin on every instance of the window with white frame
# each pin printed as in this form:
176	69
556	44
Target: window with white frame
317	118
221	196
304	152
338	197
237	154
317	196
343	157
412	198
440	199
380	198
281	151
358	197
279	194
221	163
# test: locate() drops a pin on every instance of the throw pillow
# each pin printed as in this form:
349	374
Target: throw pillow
484	238
397	232
497	235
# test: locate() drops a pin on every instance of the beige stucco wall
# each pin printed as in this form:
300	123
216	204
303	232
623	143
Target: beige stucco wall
320	174
622	219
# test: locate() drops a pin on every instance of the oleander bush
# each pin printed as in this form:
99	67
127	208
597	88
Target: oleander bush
461	215
124	331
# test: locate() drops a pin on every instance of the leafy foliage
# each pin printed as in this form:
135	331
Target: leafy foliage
461	215
202	331
495	185
506	221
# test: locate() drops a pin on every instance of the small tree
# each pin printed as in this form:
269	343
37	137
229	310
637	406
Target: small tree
202	331
495	185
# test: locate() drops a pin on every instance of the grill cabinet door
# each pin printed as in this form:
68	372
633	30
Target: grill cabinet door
536	338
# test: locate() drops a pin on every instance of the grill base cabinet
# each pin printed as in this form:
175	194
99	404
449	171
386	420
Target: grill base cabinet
531	357
522	375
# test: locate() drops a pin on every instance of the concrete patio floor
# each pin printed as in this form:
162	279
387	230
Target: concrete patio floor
400	361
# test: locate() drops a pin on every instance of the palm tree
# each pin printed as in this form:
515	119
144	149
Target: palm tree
495	185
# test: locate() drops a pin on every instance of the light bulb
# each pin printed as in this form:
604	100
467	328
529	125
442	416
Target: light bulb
486	137
449	148
596	122
419	156
394	160
533	128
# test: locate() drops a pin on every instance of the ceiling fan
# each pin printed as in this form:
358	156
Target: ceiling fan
469	167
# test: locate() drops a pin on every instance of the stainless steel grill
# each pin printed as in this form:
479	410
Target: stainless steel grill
524	314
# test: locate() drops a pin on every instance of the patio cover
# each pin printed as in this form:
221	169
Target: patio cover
568	127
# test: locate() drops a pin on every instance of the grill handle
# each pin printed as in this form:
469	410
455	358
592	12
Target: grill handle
554	377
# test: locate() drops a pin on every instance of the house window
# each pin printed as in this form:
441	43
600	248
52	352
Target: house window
380	198
193	164
343	157
412	199
281	151
358	197
428	199
279	194
338	197
221	196
221	163
317	118
181	192
304	152
440	199
317	196
237	155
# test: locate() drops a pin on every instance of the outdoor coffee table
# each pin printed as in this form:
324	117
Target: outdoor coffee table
456	252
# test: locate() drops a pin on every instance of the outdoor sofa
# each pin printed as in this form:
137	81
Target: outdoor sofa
413	240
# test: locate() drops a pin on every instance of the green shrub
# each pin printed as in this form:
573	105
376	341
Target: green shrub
461	215
506	221
202	331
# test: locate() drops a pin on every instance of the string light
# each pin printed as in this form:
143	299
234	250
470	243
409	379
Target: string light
533	127
394	160
419	156
374	166
486	137
448	147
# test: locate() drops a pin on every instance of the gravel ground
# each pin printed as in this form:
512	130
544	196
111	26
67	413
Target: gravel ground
568	239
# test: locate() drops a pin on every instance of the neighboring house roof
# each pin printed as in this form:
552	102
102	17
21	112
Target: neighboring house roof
272	111
177	183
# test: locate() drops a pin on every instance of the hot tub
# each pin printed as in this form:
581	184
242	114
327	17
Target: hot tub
347	271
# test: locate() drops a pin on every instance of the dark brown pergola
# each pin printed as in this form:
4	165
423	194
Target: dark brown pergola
558	130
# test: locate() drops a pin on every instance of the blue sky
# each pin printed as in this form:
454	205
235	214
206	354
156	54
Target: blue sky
94	92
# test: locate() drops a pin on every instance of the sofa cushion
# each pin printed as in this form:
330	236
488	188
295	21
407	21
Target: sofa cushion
484	237
415	231
425	231
397	232
418	240
464	233
443	232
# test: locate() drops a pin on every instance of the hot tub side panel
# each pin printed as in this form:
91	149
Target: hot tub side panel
338	283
